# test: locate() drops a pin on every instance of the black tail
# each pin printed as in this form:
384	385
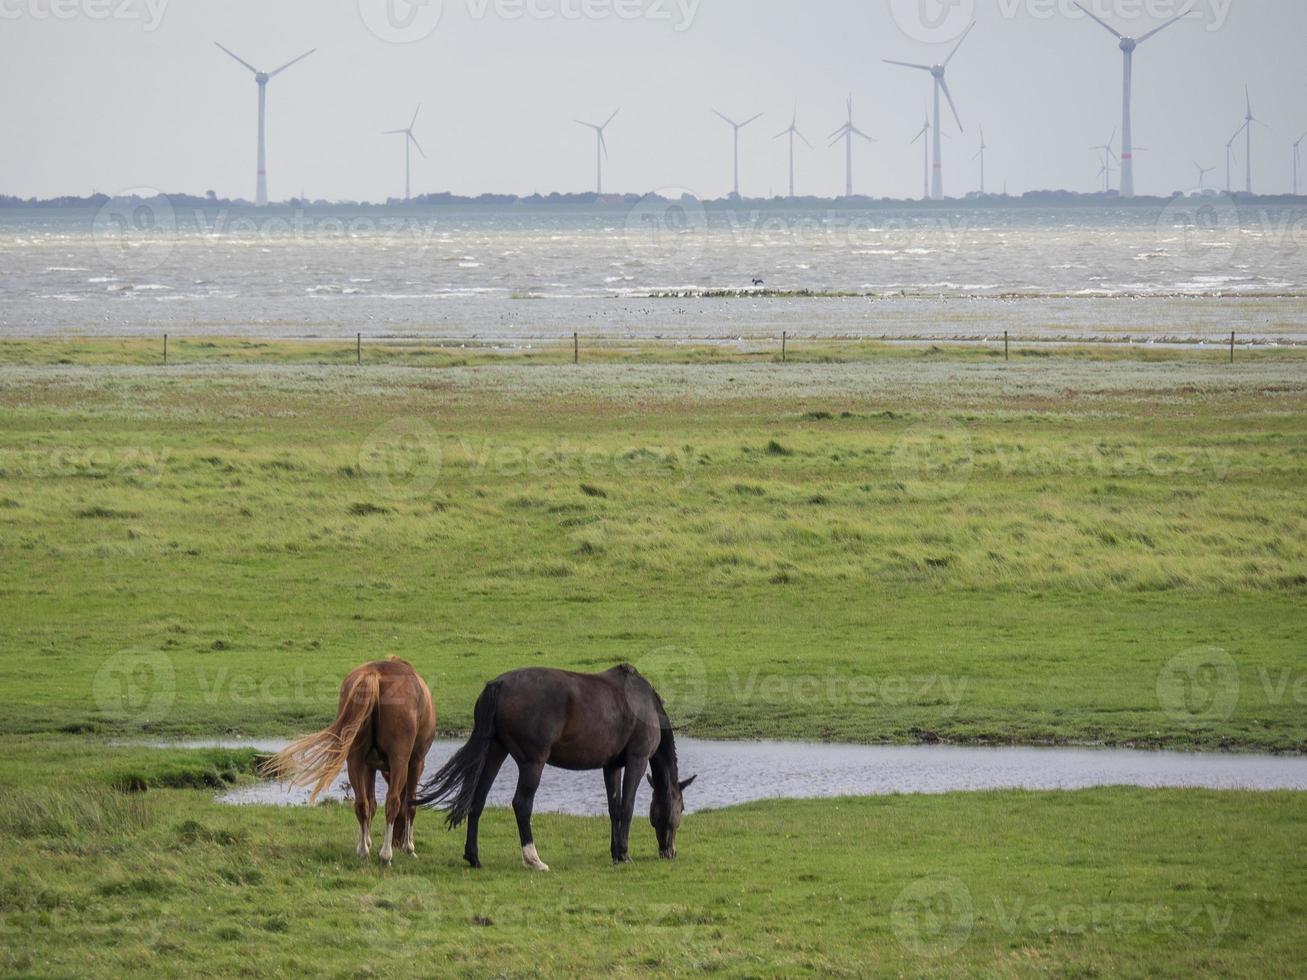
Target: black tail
455	784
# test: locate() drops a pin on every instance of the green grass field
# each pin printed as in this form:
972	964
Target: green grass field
884	545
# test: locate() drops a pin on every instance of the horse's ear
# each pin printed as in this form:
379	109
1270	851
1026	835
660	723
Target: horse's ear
689	781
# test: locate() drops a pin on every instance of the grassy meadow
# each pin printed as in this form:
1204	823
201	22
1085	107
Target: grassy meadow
867	544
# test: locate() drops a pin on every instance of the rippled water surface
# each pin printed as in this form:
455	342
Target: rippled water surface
1189	271
740	772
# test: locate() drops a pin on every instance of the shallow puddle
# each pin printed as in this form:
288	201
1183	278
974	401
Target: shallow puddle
740	772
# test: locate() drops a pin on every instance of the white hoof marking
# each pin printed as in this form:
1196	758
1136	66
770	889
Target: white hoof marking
387	846
532	860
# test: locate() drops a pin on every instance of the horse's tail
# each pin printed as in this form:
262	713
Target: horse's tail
455	784
314	760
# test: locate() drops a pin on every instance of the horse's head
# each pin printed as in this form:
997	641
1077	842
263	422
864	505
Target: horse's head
666	811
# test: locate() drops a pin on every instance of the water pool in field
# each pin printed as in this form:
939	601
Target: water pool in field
740	772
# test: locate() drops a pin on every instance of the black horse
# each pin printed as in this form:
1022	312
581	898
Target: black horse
612	721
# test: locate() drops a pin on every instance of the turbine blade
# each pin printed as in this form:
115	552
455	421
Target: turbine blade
415	115
1158	30
611	118
603	144
725	119
751	120
274	74
840	132
240	59
393	132
1100	20
907	64
857	132
959	44
804	138
948	95
582	122
417	144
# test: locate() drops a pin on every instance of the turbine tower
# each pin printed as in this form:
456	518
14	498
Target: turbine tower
262	78
1202	174
601	149
1297	162
981	157
925	159
737	127
941	85
409	141
846	133
1109	155
1128	46
1246	131
792	132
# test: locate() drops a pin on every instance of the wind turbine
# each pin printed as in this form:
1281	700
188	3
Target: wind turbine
1128	46
1109	155
1229	159
846	133
262	78
981	157
409	140
941	85
737	127
1297	162
1202	174
792	132
925	159
1247	130
601	148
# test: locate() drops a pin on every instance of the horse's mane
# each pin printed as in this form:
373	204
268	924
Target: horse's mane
666	751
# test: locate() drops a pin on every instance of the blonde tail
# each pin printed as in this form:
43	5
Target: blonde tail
314	760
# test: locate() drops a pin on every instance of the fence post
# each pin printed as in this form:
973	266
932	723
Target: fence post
784	339
165	348
576	348
358	350
1231	346
1007	354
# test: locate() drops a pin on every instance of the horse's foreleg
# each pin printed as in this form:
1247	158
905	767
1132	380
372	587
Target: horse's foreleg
613	789
630	786
528	781
489	770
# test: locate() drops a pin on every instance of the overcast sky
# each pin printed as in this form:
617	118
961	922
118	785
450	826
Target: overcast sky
115	94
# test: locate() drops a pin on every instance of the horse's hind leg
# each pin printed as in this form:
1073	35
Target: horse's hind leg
415	767
613	790
362	780
528	781
397	795
495	756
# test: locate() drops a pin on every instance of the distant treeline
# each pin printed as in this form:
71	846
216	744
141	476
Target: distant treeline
627	201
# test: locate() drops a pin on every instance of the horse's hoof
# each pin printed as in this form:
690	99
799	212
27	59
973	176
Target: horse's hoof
532	860
473	861
622	859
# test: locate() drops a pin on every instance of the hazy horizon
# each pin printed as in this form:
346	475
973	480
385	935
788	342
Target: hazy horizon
129	93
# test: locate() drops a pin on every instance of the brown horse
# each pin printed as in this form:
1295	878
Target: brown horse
612	721
386	723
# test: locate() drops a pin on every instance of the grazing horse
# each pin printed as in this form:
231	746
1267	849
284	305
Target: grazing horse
386	723
612	721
